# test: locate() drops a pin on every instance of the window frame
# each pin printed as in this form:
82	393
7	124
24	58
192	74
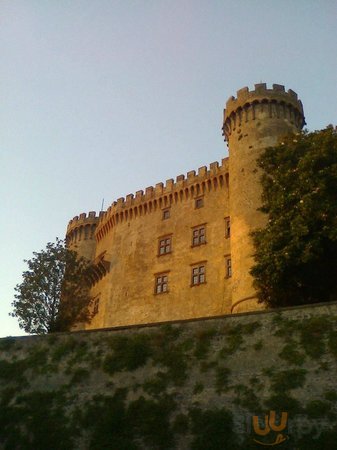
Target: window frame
161	281
199	235
167	246
199	202
227	227
166	211
198	273
229	269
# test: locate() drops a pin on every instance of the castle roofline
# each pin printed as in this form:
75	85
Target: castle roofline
245	97
163	193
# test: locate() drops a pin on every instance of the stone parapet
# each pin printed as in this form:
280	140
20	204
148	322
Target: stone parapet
163	195
84	219
82	228
277	102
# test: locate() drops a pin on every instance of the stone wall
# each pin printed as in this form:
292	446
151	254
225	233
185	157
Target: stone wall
128	238
185	385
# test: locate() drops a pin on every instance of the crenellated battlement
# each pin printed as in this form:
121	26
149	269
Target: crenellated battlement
82	227
85	218
163	195
252	104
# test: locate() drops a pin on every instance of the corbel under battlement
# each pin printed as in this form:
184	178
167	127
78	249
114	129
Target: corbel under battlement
278	102
163	195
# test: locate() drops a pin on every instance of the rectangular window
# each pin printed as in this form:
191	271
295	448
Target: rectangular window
227	227
166	214
198	275
164	245
161	284
199	202
228	267
199	235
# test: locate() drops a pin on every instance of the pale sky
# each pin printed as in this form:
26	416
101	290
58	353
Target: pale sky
102	98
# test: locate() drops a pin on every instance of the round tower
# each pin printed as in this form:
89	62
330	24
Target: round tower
253	121
80	235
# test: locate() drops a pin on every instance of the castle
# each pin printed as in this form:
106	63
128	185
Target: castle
182	249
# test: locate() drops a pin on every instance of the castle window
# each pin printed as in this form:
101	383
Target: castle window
227	227
198	235
199	202
166	214
165	245
161	284
228	267
198	275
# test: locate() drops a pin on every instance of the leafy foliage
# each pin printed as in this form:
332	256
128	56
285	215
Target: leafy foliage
296	253
54	292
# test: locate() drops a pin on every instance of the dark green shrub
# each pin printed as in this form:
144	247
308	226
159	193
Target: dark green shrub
65	347
106	421
290	354
7	343
150	421
312	334
129	353
283	402
317	409
212	430
332	342
203	342
198	388
247	398
180	424
80	375
331	396
251	327
36	421
222	379
157	385
287	379
12	372
258	345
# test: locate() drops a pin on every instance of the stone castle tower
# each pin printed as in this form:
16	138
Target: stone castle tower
252	122
183	250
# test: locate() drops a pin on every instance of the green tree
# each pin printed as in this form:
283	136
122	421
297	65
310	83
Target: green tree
296	253
54	293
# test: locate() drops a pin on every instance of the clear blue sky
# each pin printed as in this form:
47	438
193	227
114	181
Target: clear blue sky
103	98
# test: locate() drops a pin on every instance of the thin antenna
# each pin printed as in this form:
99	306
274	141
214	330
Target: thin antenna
102	204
